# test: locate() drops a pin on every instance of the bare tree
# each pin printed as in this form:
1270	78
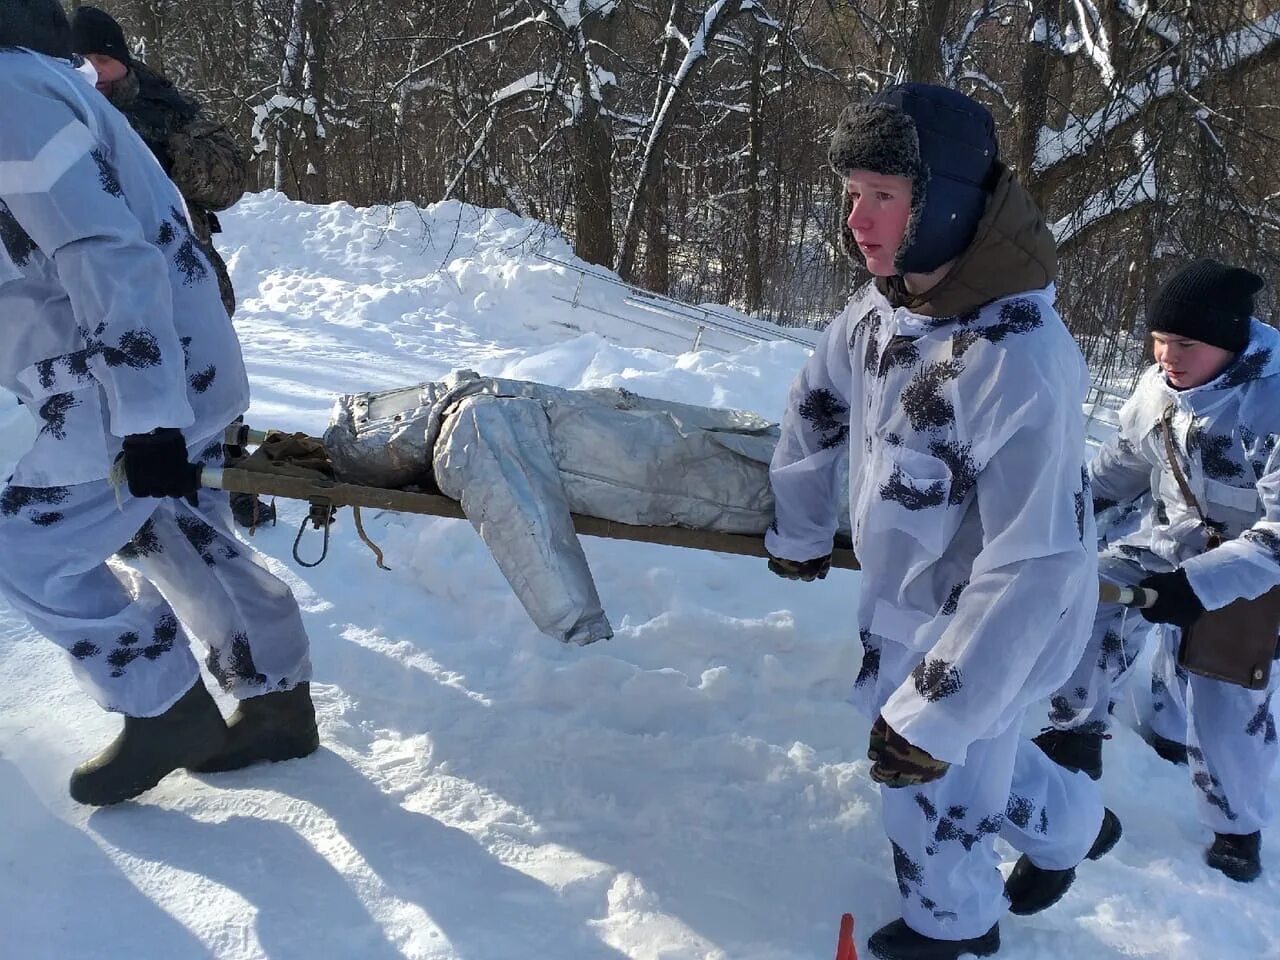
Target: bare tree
684	142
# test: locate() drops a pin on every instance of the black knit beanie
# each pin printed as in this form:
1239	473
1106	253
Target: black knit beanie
39	25
1206	301
96	31
943	142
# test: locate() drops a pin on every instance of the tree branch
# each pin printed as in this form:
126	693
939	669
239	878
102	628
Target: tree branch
1220	55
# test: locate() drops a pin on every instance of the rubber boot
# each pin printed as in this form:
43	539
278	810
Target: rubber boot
272	727
1238	855
150	748
1031	889
897	941
1073	750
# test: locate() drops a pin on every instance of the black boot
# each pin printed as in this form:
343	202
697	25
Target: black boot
250	512
150	748
1073	750
897	941
1170	750
274	726
1237	855
1031	889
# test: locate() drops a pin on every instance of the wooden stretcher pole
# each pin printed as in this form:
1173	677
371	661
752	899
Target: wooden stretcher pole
337	494
236	480
332	492
1138	597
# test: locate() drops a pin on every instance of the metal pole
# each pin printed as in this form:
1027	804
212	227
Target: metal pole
578	289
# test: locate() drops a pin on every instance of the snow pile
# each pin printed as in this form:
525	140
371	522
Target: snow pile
693	788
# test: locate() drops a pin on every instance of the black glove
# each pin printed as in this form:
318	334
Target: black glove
1176	602
156	465
805	570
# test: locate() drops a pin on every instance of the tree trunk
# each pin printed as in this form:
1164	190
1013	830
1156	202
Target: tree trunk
592	184
151	33
924	57
289	88
591	150
1033	110
315	179
657	253
755	104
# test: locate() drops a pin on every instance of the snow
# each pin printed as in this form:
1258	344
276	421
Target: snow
536	81
693	788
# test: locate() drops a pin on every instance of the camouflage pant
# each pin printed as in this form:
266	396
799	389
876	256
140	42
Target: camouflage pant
943	833
1230	733
120	622
1084	702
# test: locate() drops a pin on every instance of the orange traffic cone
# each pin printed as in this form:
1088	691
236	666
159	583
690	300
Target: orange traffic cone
845	950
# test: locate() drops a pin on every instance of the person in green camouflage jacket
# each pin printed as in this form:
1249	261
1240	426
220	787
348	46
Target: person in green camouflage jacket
197	152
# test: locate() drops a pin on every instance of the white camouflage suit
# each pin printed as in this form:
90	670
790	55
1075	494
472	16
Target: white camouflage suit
969	509
114	327
1226	435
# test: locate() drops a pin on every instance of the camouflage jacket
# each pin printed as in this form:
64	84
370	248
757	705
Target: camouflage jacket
113	324
198	153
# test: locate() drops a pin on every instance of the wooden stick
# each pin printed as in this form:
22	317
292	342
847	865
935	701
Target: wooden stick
1139	597
237	480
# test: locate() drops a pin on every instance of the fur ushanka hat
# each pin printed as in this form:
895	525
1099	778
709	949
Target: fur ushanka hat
939	139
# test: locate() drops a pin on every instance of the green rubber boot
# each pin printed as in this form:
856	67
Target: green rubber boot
148	749
272	727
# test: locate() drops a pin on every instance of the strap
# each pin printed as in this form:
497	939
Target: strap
377	553
1171	452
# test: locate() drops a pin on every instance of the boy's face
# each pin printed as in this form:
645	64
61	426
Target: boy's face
1188	363
880	206
110	70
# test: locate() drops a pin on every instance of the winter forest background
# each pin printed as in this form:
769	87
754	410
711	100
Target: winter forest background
683	142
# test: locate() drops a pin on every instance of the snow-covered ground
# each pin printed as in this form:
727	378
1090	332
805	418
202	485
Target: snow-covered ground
693	788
